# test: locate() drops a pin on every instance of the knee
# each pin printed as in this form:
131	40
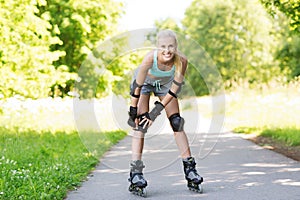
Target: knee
177	122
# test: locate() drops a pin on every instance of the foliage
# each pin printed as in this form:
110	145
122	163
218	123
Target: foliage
45	165
291	8
168	23
288	55
81	26
245	43
287	15
50	46
236	34
25	58
130	62
107	68
273	106
45	43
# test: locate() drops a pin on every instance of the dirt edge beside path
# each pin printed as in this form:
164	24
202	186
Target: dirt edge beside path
292	152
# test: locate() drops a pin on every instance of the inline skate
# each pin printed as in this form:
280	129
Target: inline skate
137	182
194	180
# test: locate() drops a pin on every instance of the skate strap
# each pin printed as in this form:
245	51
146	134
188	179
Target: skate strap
138	179
137	166
189	170
190	164
133	175
137	174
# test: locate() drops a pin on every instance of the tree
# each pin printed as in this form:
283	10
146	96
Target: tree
26	61
289	56
109	67
290	8
236	34
288	52
81	25
168	23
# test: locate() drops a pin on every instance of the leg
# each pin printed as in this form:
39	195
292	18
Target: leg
137	144
136	178
180	136
193	178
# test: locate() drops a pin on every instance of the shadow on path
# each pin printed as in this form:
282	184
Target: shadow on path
234	169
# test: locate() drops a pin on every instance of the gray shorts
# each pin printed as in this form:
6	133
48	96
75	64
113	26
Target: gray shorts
156	86
159	86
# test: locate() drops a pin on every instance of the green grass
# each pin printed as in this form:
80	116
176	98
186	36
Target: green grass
247	130
289	136
45	165
273	111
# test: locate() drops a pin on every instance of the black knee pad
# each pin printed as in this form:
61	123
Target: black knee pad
177	122
140	126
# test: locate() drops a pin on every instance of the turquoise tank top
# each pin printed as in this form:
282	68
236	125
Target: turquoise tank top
155	71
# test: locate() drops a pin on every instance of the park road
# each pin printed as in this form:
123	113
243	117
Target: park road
232	167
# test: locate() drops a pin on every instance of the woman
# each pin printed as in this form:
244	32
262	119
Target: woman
161	72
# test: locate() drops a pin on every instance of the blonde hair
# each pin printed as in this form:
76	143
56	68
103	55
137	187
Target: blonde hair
177	60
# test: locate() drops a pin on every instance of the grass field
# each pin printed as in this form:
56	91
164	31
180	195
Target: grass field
42	154
272	111
44	165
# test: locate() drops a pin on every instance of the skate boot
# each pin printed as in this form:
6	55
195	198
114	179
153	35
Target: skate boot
194	180
137	182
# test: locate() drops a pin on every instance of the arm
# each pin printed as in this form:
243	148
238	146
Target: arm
140	79
136	88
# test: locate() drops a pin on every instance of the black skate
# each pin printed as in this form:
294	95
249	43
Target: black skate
137	182
194	180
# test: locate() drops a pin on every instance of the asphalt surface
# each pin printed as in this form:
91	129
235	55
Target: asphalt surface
232	167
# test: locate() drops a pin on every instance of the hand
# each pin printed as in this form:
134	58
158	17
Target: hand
145	121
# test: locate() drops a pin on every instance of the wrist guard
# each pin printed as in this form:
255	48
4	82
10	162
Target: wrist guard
156	110
132	115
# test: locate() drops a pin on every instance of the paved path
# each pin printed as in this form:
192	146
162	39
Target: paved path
233	168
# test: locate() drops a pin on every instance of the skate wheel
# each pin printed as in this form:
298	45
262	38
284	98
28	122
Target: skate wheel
144	192
200	189
141	192
138	191
196	188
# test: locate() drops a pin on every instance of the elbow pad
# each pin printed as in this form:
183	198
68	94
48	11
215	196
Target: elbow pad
133	87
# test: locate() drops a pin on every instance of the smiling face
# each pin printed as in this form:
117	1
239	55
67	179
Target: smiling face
167	46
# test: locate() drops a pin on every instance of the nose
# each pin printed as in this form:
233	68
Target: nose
166	50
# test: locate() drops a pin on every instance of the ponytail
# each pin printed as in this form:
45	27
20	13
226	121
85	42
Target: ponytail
178	65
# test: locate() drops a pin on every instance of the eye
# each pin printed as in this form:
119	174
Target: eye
172	47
